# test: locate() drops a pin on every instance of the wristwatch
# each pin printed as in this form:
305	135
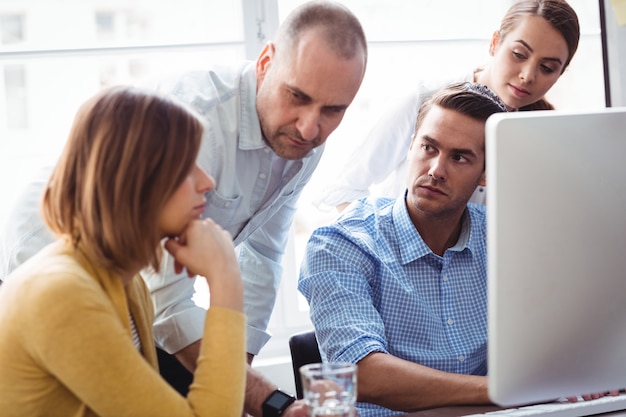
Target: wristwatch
277	403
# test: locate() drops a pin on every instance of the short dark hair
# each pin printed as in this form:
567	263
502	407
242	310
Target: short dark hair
126	154
471	99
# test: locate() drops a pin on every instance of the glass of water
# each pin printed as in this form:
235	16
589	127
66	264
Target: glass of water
329	389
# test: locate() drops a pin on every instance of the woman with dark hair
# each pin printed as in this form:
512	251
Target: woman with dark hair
76	319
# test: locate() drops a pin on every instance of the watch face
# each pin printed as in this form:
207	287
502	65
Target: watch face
278	400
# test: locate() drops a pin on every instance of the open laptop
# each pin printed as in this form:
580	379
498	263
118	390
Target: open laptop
556	210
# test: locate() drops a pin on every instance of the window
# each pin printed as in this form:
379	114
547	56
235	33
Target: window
105	25
54	56
11	29
15	97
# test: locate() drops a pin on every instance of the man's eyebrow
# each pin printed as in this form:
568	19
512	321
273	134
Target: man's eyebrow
305	97
430	140
532	50
458	151
336	107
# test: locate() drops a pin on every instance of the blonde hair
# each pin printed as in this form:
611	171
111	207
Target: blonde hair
126	154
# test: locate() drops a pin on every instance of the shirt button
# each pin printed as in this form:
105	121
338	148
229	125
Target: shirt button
445	278
266	150
227	204
450	321
461	358
262	175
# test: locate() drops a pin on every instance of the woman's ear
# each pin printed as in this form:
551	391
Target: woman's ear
495	39
264	60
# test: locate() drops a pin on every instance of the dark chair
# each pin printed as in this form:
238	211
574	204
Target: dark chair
174	372
304	350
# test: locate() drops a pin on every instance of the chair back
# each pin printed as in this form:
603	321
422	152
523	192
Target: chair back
304	350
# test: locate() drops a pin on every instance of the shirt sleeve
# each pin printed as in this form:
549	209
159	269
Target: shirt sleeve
24	233
113	379
334	278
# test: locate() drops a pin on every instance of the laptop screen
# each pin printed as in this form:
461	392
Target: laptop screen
556	216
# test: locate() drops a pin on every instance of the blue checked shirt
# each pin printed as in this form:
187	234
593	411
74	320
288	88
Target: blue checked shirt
373	285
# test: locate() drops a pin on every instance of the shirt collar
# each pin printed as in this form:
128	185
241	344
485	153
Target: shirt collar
411	244
464	237
250	136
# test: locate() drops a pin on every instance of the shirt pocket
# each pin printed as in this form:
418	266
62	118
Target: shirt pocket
223	210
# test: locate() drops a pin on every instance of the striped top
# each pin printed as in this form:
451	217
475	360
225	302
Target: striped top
133	329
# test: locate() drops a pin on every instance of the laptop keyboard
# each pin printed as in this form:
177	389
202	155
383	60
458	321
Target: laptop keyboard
564	408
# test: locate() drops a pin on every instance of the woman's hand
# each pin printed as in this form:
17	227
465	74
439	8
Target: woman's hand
206	249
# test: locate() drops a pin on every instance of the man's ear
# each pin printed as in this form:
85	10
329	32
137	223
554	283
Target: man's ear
413	136
495	39
264	60
483	179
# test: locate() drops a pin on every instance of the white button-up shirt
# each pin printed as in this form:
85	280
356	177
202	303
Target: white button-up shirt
235	154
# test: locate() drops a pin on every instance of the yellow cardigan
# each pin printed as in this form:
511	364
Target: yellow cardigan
66	347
